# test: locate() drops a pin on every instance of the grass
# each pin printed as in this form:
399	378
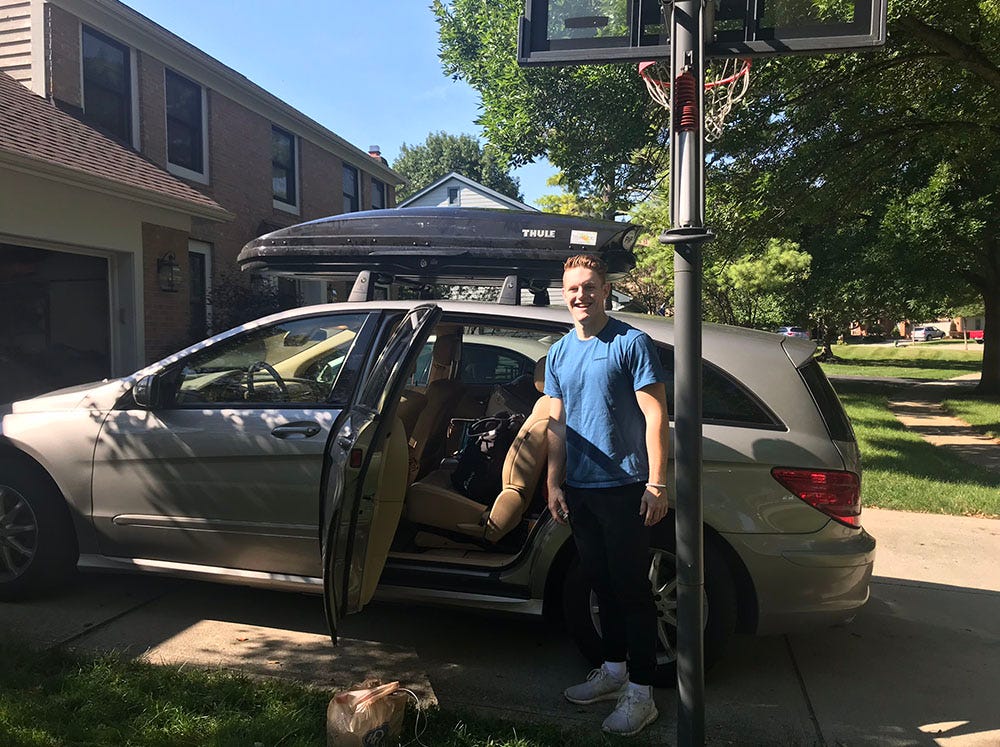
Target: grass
902	471
982	413
924	361
50	698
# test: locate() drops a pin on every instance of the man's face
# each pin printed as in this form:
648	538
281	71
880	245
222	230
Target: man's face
584	294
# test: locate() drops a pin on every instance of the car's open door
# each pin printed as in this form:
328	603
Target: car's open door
365	477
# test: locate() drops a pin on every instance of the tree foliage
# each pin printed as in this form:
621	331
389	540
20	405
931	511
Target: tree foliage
594	123
441	153
879	165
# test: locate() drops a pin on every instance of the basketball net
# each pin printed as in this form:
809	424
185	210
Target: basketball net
726	83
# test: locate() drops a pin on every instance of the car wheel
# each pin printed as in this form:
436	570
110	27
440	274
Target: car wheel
37	544
581	609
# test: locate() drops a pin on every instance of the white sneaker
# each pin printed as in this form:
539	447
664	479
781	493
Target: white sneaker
600	685
633	713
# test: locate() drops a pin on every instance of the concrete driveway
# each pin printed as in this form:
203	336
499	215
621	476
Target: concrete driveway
920	665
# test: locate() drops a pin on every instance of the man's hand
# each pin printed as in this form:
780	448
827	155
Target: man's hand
557	505
654	505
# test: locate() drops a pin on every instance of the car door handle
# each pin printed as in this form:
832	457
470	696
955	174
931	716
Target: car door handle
296	430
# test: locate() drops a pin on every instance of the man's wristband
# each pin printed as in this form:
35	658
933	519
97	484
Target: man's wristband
656	485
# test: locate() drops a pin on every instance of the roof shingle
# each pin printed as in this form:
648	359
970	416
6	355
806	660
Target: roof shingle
34	128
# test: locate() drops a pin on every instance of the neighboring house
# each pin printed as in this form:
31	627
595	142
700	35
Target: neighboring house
133	168
455	190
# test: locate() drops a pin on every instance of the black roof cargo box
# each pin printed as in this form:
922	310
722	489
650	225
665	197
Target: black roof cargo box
460	246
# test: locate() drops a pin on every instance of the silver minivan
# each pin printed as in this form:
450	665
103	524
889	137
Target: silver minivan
310	450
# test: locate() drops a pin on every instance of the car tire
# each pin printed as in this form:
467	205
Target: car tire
720	612
38	549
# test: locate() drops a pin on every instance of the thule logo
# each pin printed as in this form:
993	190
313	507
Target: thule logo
538	233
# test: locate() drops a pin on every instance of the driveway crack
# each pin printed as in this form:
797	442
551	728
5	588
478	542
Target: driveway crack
820	741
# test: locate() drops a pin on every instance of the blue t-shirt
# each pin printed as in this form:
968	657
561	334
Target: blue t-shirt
597	379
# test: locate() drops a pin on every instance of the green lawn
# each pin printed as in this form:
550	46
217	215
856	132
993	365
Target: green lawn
983	413
914	361
902	471
50	698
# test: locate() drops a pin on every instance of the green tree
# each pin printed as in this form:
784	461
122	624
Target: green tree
593	123
441	153
568	202
879	164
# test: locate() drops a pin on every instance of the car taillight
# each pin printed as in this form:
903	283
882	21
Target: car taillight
837	494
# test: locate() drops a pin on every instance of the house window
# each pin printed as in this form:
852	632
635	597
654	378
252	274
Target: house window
283	161
351	201
378	194
185	133
107	84
453	195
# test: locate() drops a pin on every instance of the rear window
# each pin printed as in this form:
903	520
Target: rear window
724	400
837	423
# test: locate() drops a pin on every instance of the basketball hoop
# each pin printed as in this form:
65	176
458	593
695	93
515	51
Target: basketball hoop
725	86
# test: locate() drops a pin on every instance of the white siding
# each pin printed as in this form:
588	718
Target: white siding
467	197
15	39
472	198
435	198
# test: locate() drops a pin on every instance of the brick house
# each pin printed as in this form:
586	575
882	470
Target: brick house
133	168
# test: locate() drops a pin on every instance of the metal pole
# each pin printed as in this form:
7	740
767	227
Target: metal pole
687	234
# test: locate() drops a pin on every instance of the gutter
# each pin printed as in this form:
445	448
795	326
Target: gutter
86	180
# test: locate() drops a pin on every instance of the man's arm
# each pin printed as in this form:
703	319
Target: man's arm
652	401
556	436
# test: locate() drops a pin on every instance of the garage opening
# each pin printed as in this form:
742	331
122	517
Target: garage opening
55	326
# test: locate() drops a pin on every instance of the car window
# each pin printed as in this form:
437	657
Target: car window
724	400
488	364
297	360
490	355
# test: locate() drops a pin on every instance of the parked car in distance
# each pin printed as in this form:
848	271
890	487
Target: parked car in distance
924	334
793	332
300	452
976	334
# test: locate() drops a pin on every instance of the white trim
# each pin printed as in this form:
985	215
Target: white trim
66	175
186	173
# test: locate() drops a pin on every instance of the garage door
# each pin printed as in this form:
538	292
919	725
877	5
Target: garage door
54	320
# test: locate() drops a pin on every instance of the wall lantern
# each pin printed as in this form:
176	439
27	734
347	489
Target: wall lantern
168	273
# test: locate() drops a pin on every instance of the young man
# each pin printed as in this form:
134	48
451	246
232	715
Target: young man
607	474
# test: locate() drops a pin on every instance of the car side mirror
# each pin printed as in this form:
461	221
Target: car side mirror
146	391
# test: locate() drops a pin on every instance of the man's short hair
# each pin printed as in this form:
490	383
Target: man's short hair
590	262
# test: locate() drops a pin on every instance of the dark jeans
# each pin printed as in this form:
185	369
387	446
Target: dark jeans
613	544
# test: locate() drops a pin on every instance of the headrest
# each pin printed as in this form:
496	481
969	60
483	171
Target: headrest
540	374
445	349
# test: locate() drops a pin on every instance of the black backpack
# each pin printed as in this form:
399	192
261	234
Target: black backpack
480	462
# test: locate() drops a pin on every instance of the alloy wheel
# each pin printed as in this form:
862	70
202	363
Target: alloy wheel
663	578
18	533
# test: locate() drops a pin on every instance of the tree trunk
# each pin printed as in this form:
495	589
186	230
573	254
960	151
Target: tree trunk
990	381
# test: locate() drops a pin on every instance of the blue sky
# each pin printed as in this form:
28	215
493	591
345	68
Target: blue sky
369	71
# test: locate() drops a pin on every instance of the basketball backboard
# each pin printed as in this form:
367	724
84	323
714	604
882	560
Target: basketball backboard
567	32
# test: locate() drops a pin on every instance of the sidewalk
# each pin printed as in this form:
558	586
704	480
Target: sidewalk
919	408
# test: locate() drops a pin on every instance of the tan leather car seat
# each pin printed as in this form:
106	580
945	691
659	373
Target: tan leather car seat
434	502
427	438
